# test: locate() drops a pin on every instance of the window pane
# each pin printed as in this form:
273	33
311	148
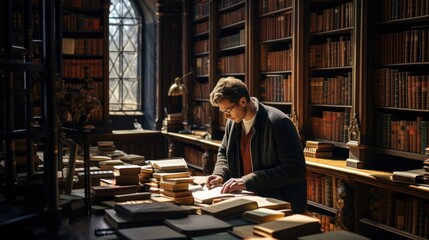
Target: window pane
125	80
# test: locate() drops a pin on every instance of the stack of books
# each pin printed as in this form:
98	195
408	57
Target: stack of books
135	159
108	164
177	189
145	176
318	149
289	227
426	167
173	122
126	174
177	164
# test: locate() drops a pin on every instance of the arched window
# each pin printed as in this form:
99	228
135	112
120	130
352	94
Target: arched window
125	57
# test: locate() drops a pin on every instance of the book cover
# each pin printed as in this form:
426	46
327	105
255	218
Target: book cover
132	196
150	232
110	190
127	169
261	215
151	211
174	194
289	227
317	144
173	186
115	220
413	176
198	225
229	208
318	154
207	196
169	164
267	202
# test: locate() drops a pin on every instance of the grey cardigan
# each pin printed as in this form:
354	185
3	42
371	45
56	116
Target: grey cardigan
278	163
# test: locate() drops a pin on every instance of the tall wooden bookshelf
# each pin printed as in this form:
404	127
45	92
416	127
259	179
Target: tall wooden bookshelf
85	53
28	109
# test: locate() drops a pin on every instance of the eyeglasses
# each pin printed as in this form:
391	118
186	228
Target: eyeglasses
228	112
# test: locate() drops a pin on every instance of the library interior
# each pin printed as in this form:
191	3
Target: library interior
115	122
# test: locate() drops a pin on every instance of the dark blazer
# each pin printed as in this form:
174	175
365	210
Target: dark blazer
278	163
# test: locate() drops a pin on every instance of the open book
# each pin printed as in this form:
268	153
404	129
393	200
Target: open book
207	196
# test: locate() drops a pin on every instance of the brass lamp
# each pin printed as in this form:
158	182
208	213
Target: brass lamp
179	89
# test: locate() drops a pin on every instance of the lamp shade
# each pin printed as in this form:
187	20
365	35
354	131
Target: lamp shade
177	88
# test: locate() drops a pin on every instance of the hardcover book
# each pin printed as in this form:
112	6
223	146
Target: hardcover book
267	202
151	211
290	227
126	169
317	144
413	176
169	164
118	221
207	196
229	208
197	225
261	215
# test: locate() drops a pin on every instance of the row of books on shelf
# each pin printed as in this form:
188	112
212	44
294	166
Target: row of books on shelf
201	9
201	46
276	88
280	60
230	18
81	4
401	89
72	68
414	47
73	22
85	46
406	213
233	40
331	126
338	17
201	28
276	27
396	9
402	135
268	6
336	52
322	189
331	90
231	64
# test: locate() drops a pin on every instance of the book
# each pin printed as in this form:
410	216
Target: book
172	186
261	215
126	169
151	211
110	190
289	227
169	164
126	179
150	233
267	202
118	221
174	194
318	154
312	149
244	232
229	208
413	176
334	235
198	225
133	159
132	196
207	196
317	144
161	176
179	180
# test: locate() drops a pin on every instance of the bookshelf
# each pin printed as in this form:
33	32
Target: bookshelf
85	53
401	79
28	110
330	68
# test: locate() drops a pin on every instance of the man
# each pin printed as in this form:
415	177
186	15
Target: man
260	151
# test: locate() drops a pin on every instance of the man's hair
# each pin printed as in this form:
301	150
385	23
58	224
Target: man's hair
229	88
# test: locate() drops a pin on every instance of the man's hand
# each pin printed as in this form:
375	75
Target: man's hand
233	184
213	181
